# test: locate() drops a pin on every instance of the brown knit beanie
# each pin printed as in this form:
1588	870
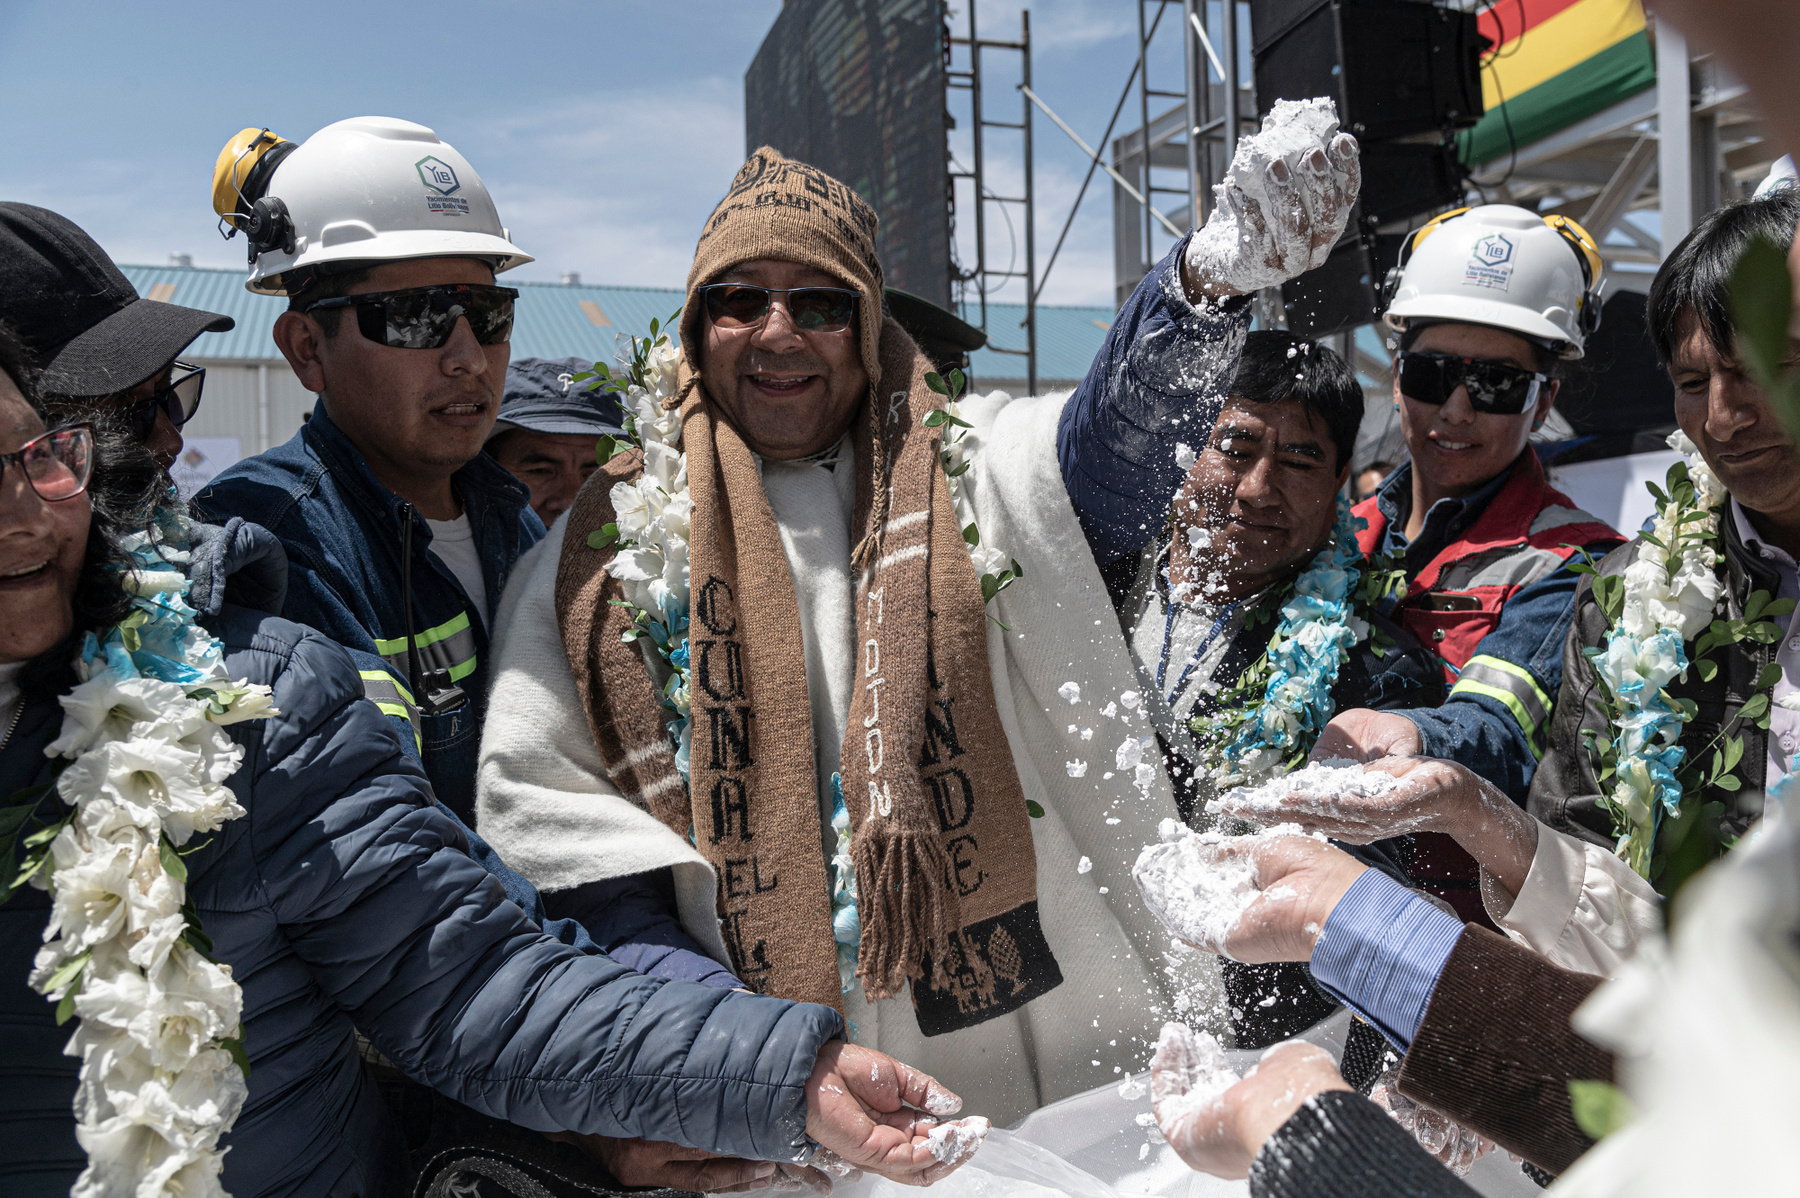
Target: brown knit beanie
782	209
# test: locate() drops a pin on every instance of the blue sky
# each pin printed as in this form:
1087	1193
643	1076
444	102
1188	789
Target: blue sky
606	129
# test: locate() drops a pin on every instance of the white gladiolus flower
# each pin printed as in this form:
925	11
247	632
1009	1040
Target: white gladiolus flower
159	783
106	708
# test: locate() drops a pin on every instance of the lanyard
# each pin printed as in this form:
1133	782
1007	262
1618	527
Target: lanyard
1162	665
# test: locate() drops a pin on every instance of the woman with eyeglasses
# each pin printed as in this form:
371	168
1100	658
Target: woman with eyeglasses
322	892
109	354
1473	543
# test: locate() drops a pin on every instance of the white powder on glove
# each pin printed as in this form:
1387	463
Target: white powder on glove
1284	202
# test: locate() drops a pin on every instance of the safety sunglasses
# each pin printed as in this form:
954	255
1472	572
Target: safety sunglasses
178	399
1494	387
812	309
56	464
424	317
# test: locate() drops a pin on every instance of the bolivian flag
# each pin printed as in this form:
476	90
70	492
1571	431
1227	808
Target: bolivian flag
1555	62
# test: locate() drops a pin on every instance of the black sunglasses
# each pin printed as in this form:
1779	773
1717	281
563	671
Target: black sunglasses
424	317
812	309
1498	388
178	399
56	464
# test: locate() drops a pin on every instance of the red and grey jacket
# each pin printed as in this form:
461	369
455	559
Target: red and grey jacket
1488	591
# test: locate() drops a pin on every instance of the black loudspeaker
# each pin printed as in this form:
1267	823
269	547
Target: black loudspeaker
1397	68
1403	179
1345	292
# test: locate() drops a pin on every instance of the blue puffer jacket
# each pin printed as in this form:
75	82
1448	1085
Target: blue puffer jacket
344	533
346	897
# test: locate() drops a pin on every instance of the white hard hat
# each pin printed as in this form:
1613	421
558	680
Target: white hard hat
1503	266
372	188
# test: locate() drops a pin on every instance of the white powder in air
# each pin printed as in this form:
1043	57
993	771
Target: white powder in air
957	1141
1077	769
1087	734
1185	457
1131	1089
1070	691
1084	865
1129	700
1128	754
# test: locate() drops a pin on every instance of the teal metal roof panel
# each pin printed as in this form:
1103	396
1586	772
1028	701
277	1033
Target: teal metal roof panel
554	320
1069	337
563	320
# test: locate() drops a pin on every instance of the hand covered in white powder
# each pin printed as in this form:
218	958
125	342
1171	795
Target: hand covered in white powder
1429	795
1455	1146
877	1114
1283	205
1251	898
1363	735
1217	1123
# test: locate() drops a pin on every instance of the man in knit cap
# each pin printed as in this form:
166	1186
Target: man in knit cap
865	754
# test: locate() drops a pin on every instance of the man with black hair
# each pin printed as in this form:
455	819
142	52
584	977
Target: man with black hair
1257	506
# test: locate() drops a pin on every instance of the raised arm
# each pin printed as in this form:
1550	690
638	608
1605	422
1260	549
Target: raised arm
1161	377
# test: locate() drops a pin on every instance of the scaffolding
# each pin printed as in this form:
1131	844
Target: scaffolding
1182	150
983	275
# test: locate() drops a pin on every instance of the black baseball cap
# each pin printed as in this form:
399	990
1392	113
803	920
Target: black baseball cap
88	328
542	396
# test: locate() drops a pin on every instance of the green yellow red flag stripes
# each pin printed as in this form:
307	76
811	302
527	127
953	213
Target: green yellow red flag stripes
1555	62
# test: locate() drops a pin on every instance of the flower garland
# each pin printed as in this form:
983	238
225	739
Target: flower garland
162	1070
1268	721
1663	602
652	517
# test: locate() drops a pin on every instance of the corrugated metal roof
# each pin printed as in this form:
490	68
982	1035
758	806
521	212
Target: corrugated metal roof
563	320
1068	339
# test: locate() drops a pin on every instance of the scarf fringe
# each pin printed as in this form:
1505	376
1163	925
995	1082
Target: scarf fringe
906	897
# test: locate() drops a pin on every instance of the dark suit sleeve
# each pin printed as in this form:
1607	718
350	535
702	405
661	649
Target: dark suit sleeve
1495	1051
1341	1145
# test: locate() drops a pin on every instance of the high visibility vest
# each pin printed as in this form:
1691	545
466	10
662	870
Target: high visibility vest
1527	530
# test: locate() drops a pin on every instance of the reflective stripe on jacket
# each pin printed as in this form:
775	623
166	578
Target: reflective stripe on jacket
1528	530
343	531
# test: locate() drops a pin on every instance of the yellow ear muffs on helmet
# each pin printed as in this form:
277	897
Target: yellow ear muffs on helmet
1587	253
1593	269
240	178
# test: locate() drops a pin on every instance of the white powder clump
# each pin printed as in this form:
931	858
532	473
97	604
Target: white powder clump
1188	1071
1198	538
1298	163
1313	789
1070	691
1144	776
1110	710
1129	700
1084	865
1131	1089
1077	769
1128	754
1087	734
957	1141
1185	457
1195	899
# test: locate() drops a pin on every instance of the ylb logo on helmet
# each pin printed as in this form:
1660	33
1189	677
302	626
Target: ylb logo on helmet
1491	263
438	175
439	178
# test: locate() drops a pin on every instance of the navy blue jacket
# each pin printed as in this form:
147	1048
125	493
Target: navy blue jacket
348	897
1160	380
343	533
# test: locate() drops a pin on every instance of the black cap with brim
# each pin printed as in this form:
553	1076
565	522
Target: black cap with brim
126	348
85	324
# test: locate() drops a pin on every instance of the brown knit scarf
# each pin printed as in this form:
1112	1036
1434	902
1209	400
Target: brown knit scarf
946	875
